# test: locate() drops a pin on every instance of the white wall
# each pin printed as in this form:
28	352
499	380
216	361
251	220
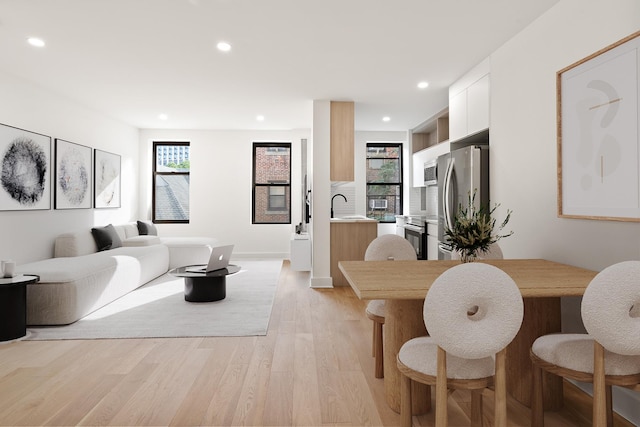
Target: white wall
523	143
28	235
221	186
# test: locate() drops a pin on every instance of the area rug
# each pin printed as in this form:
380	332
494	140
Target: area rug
158	310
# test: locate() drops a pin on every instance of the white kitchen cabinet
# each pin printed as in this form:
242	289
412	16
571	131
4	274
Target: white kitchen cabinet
478	105
469	102
432	241
457	115
300	252
419	159
423	156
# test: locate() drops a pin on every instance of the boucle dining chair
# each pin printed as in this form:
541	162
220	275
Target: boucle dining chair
472	312
608	354
382	248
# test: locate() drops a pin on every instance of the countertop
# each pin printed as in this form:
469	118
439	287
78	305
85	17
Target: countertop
352	218
432	219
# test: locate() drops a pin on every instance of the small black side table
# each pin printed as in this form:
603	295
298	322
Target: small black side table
13	306
205	287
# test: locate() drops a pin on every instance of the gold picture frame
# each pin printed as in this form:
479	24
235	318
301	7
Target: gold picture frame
598	136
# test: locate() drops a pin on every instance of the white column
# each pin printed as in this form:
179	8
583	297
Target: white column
321	195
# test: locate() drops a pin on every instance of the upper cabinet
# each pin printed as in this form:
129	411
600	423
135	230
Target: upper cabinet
469	102
342	141
428	141
433	131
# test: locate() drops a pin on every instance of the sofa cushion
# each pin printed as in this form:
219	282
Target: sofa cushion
106	237
141	241
188	250
129	229
75	244
147	228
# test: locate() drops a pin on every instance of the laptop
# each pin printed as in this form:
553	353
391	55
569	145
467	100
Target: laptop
218	260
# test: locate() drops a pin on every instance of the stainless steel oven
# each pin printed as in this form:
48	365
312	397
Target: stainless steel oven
416	233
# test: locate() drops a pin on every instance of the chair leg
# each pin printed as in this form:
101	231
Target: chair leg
609	393
405	401
373	339
537	406
476	408
441	389
378	350
500	383
599	386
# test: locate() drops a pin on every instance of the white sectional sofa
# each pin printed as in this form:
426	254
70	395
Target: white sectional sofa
80	278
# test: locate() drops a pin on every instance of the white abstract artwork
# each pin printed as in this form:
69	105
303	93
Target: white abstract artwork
599	148
73	176
107	179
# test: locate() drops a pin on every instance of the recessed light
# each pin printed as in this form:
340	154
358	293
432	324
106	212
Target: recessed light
423	85
260	118
386	118
34	41
163	116
223	46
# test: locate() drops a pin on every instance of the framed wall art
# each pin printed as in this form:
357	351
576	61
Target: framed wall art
598	141
25	170
107	179
73	176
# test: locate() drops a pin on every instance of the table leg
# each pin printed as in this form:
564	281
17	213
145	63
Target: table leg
403	321
541	317
205	289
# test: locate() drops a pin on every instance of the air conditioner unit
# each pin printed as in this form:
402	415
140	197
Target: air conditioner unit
378	204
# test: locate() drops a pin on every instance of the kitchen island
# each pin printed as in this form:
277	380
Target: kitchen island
350	237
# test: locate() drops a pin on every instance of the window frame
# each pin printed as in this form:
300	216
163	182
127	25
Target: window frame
399	184
275	184
156	173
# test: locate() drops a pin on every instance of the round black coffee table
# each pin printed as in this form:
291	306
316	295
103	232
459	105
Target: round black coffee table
13	306
204	287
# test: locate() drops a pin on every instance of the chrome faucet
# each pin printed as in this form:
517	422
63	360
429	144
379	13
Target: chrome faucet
345	199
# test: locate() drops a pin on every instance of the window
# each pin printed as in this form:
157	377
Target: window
170	182
271	183
384	181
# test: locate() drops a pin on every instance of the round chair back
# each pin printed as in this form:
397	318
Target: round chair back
390	247
610	308
473	310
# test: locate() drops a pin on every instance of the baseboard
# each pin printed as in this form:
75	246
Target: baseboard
321	282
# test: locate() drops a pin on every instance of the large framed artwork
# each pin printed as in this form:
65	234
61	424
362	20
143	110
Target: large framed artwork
107	179
26	169
598	135
73	175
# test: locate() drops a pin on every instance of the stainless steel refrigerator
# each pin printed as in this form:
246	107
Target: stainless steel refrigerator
460	173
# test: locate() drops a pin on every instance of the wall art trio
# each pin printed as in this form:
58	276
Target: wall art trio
26	173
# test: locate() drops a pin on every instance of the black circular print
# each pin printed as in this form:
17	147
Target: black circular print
24	169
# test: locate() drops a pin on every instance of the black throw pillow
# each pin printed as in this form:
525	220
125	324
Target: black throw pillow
106	237
147	229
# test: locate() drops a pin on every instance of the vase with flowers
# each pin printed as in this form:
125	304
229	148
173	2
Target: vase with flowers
473	229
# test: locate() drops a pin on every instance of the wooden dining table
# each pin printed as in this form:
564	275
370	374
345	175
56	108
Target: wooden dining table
404	285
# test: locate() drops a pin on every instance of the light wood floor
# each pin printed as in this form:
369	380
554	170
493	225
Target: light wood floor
313	368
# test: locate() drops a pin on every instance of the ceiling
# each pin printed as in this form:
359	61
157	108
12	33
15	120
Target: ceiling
135	59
